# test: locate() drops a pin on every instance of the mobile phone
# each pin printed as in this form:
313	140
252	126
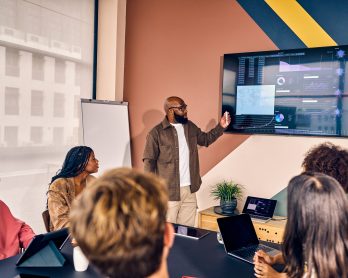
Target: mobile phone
24	275
190	232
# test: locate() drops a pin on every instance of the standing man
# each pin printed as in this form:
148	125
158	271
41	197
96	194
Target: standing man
171	152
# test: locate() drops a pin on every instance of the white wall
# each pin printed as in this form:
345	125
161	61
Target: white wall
111	43
25	195
263	164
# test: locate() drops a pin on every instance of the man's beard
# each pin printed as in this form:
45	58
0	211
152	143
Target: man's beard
180	119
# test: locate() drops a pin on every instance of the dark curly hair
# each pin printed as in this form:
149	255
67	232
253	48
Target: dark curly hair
328	159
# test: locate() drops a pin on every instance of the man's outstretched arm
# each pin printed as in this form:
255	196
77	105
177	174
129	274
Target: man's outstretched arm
207	138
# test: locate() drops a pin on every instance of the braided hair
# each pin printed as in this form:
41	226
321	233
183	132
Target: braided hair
75	162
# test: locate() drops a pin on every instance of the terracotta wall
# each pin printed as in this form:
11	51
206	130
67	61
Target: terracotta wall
174	47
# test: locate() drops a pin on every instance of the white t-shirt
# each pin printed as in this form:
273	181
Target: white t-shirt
184	156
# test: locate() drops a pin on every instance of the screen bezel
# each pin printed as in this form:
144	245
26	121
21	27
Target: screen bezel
237	232
339	130
273	204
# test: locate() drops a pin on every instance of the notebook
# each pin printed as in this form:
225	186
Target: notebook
190	232
240	239
259	209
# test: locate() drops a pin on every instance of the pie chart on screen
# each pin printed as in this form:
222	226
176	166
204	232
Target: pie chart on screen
279	117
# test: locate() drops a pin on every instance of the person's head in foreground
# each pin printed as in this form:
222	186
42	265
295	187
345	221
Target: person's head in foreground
120	224
328	159
316	233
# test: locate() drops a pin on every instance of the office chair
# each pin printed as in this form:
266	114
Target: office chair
46	219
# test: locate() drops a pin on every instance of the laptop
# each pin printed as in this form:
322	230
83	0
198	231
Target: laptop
240	239
58	238
259	209
190	232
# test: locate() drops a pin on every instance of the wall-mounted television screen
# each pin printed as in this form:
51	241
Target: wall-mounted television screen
294	92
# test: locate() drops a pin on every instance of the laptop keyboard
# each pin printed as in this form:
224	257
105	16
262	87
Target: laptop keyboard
259	217
249	252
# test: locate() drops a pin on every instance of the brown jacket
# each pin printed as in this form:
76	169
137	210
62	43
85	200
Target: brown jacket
60	195
161	154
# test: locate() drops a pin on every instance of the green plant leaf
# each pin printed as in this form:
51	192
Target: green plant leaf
227	190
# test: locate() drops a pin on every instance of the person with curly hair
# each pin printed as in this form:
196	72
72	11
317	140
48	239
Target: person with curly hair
325	158
328	159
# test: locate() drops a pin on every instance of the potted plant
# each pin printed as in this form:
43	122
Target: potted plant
228	192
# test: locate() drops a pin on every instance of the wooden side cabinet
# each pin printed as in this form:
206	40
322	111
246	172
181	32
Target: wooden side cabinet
271	231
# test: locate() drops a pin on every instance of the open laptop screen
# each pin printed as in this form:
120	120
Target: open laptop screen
237	232
259	206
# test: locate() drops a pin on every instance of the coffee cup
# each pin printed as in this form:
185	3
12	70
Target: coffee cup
80	260
219	238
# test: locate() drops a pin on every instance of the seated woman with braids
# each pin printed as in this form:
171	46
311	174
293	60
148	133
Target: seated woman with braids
316	234
75	174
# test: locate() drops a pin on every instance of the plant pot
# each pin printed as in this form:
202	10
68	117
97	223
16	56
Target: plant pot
228	206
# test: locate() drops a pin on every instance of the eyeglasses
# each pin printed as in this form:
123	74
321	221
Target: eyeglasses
182	108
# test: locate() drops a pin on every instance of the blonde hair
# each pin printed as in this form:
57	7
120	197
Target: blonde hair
119	223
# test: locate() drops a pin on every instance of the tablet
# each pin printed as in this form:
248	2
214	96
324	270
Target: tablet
59	238
190	232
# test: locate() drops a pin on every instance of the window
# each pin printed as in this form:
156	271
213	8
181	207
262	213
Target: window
12	62
58	105
38	63
78	75
58	136
11	136
36	134
77	106
59	73
46	57
11	101
37	102
76	133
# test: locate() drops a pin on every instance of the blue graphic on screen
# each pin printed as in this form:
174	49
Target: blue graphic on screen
299	92
279	117
340	53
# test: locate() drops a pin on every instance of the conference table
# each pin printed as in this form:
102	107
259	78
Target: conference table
203	257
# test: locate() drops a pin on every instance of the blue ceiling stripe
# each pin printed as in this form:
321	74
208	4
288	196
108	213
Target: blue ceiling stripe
331	15
275	28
